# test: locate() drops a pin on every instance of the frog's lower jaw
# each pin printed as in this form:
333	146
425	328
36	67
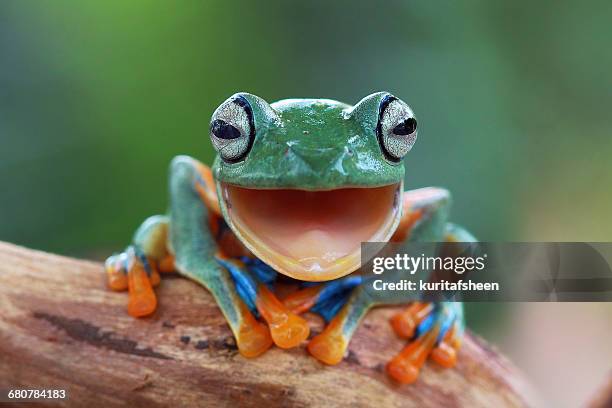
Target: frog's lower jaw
311	235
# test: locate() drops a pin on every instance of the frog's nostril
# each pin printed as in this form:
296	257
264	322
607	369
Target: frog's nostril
317	158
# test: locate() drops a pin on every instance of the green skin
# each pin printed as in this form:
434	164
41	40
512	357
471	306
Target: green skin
308	144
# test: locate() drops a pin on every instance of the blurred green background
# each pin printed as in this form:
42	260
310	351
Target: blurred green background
513	101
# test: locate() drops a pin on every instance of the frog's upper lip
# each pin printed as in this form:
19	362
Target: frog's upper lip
311	235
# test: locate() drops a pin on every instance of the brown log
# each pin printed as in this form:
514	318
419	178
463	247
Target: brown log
61	328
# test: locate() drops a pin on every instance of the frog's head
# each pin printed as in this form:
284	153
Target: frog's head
302	182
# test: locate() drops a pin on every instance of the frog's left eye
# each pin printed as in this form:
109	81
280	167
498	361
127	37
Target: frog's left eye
397	128
232	130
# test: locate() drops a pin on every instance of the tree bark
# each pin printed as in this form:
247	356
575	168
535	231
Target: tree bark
60	328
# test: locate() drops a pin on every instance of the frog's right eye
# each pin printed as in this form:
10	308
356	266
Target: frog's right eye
397	128
232	130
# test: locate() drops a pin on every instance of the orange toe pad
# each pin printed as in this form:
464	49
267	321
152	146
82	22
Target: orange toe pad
403	371
328	348
286	328
142	300
444	355
253	337
291	332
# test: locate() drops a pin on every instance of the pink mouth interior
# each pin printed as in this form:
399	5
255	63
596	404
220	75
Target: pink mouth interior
314	228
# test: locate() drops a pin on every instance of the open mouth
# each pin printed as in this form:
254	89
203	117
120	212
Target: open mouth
312	235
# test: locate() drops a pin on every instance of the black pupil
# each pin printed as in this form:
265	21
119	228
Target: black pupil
224	130
406	127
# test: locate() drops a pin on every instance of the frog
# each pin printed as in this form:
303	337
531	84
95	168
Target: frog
295	188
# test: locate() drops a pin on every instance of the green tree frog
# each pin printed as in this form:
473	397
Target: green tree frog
295	188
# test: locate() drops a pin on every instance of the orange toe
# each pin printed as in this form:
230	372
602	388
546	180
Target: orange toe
329	346
142	299
286	328
116	278
253	337
406	366
403	371
290	333
117	281
405	322
444	355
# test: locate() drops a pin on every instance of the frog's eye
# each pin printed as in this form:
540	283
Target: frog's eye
232	130
397	128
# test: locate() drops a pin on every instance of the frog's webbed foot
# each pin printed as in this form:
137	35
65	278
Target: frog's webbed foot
137	268
435	331
342	303
253	280
327	300
132	271
252	336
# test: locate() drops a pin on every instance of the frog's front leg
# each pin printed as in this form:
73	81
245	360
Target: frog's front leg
230	280
435	329
330	345
195	250
424	213
437	334
254	281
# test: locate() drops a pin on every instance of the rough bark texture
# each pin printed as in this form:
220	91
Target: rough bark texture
61	328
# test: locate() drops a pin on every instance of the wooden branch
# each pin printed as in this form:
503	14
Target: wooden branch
61	328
